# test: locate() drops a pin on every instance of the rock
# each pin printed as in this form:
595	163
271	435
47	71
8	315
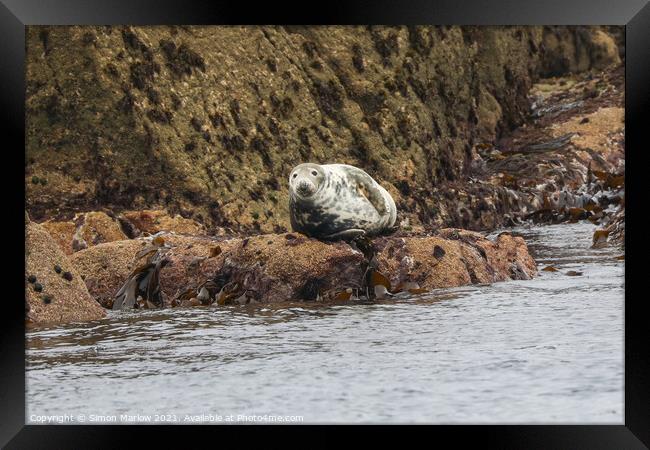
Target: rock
616	229
573	273
154	221
58	300
400	102
600	238
558	168
62	233
192	262
454	258
104	267
97	227
576	49
85	230
595	135
613	232
290	266
141	104
510	258
279	268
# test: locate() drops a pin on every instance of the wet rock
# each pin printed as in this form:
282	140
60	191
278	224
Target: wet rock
69	301
105	267
612	231
616	229
566	165
468	258
191	263
284	267
303	270
265	268
600	238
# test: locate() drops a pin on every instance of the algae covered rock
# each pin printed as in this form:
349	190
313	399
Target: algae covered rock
54	290
270	268
63	234
577	49
292	267
104	266
207	122
98	227
274	268
85	230
154	221
454	258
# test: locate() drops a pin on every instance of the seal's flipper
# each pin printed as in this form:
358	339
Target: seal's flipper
345	235
389	231
369	189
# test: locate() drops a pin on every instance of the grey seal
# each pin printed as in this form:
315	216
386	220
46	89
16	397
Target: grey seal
338	201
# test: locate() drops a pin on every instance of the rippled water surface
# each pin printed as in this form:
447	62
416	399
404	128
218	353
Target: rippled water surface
548	350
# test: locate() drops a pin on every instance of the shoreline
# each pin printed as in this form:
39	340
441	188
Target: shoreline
566	164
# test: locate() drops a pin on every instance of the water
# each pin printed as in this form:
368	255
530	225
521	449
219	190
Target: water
548	350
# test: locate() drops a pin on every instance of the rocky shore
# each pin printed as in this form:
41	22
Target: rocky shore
174	201
210	270
566	164
54	290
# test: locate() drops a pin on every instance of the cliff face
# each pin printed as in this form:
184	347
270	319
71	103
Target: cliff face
580	48
208	121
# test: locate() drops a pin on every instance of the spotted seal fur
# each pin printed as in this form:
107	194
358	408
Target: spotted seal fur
338	201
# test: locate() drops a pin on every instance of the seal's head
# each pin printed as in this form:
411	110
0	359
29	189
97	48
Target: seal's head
306	179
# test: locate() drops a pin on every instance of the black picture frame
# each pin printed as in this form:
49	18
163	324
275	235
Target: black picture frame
634	14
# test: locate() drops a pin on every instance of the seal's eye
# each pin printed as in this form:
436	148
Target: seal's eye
314	173
294	175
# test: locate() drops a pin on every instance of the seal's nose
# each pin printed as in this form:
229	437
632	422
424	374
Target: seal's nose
305	187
